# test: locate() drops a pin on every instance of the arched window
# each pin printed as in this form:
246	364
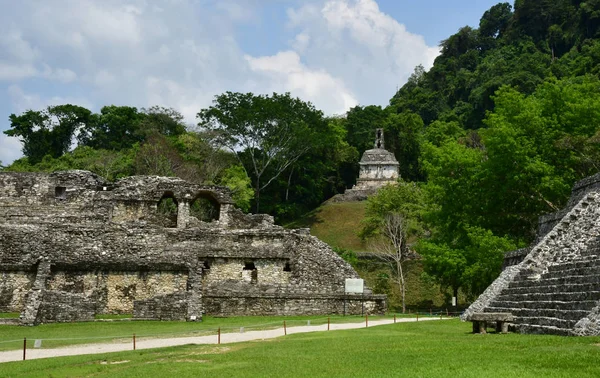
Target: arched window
205	208
166	210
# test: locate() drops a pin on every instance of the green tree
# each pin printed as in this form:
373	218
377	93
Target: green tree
48	132
236	179
361	122
161	120
114	128
268	133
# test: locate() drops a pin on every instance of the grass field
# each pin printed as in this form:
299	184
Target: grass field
424	349
61	334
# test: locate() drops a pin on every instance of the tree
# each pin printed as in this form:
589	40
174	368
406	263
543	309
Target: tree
471	262
161	120
115	128
157	157
393	250
267	133
236	179
361	122
494	21
48	132
403	132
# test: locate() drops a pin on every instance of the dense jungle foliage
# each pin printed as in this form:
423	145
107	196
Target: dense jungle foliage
492	136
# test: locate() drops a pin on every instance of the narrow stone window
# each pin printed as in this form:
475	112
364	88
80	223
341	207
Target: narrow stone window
166	210
60	193
287	267
206	265
253	272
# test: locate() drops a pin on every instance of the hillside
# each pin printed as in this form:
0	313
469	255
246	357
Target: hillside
338	224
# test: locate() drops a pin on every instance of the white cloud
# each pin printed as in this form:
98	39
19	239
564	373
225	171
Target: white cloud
370	51
285	73
10	149
181	53
15	72
22	101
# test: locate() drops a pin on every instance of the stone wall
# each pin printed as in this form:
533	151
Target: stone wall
105	244
115	292
307	304
14	287
163	307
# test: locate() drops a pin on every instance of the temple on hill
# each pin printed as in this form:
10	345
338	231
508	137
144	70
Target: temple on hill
378	167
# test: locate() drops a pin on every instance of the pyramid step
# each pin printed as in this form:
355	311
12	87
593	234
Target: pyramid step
564	288
543	330
556	305
559	279
589	261
535	313
575	296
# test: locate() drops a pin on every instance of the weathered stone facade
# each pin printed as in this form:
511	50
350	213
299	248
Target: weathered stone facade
553	285
73	245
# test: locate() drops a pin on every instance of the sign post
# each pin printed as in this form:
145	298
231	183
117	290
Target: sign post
354	286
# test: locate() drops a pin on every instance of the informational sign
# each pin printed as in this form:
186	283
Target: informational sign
354	285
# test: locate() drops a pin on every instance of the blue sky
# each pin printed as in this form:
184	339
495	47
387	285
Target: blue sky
181	53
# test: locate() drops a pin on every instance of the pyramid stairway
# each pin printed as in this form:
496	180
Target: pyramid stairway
555	302
555	286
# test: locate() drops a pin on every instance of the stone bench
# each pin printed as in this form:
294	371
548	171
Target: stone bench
481	319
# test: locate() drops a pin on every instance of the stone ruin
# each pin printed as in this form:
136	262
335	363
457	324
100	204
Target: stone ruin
378	167
553	286
73	246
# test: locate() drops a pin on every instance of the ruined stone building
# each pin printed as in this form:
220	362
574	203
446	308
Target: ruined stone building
73	246
378	167
553	286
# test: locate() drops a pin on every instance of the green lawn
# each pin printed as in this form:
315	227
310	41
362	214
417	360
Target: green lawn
424	349
60	334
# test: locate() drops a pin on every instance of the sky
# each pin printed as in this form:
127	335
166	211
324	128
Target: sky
181	53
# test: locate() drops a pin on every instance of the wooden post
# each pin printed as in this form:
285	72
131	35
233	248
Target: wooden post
440	315
134	341
219	335
367	320
328	323
417	315
447	312
24	347
394	318
284	328
430	313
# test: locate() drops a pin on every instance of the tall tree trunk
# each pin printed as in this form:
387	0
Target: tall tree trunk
287	189
257	193
400	274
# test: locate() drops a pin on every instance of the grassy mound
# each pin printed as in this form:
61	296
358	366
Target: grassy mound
337	224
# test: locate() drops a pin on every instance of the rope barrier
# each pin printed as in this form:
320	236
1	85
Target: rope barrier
325	321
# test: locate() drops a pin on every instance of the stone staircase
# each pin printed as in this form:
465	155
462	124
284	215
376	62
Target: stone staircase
555	302
556	288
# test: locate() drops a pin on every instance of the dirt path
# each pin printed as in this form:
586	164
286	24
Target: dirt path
17	355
